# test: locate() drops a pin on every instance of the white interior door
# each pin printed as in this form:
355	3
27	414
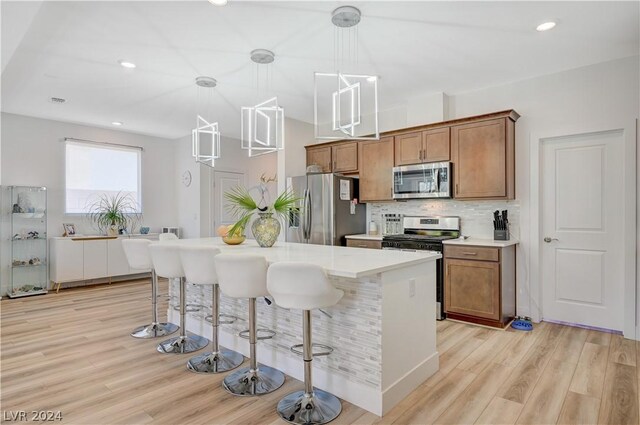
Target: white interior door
223	181
582	203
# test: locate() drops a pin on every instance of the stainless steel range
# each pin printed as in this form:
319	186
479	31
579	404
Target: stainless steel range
426	234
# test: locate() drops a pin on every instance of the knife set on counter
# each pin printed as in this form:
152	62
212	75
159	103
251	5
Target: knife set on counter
500	226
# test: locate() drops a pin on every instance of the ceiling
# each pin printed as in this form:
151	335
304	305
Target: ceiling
71	50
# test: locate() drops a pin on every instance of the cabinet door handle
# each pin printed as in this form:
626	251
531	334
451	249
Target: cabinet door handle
457	190
469	253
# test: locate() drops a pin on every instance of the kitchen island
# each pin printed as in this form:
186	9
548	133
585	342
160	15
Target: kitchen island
383	331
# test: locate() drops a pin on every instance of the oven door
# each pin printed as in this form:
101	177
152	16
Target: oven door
422	181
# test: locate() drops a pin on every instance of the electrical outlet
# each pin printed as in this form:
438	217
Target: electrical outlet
412	288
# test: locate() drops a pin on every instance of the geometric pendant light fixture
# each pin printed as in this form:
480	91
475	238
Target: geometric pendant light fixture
205	137
345	104
262	125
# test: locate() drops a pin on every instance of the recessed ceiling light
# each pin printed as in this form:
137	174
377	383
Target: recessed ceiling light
218	2
126	64
546	26
117	123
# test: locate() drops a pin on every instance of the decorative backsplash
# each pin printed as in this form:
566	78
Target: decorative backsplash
476	216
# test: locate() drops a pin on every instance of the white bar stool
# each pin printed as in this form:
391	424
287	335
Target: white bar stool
199	269
166	261
306	287
137	253
245	276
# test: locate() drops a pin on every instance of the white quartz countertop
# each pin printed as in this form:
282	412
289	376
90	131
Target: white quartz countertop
338	261
365	236
481	242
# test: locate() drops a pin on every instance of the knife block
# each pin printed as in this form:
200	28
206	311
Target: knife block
500	234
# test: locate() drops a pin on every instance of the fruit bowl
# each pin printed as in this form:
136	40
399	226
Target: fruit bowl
233	240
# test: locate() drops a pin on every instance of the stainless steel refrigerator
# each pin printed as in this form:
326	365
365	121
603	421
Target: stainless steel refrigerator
325	213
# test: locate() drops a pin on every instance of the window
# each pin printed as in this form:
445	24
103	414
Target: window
93	169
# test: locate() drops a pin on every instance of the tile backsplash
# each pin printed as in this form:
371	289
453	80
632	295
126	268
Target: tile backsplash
476	216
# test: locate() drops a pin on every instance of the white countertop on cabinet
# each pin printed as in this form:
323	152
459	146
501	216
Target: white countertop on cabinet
490	243
338	261
365	236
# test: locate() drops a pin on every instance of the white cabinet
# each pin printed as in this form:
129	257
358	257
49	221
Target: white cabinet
67	260
117	264
86	259
95	259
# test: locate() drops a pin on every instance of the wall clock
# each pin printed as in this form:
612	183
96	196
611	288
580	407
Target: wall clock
186	178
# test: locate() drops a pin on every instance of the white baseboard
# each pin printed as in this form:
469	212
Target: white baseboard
369	398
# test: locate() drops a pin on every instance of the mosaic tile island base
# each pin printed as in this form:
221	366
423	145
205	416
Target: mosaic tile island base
383	331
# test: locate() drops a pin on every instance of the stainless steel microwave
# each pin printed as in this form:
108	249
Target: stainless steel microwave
432	180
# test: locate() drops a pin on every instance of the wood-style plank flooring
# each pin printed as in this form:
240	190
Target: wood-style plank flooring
72	352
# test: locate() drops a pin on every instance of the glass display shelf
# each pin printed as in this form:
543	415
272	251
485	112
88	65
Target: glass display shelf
28	215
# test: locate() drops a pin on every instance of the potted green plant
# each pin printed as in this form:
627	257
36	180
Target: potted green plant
112	212
265	228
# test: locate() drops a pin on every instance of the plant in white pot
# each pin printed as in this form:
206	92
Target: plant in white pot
112	212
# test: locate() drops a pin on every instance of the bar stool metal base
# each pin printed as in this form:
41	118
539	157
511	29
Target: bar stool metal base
222	361
183	344
154	330
319	407
247	382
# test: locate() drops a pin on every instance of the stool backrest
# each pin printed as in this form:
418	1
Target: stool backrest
162	237
242	275
166	260
198	264
137	253
301	285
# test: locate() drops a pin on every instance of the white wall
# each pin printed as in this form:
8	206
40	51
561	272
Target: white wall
33	155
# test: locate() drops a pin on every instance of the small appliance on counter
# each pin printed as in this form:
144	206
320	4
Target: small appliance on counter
391	224
426	234
500	226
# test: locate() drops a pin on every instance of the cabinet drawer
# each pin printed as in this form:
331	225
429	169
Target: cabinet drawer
472	253
364	243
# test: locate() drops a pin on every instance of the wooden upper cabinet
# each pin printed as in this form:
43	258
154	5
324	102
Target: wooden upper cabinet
483	159
422	146
345	157
376	165
436	145
320	155
408	148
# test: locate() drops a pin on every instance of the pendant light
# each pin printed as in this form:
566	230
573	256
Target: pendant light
345	103
262	125
205	137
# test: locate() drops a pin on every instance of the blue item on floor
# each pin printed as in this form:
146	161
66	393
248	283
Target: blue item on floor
522	324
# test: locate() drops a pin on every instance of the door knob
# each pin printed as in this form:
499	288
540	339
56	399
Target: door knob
548	239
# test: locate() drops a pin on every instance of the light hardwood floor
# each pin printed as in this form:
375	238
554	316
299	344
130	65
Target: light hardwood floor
72	352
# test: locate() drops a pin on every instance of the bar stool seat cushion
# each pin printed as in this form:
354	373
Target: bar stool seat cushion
164	237
301	286
242	275
198	264
137	253
166	260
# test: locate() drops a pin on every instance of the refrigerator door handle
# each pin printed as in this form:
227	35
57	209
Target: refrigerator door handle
307	215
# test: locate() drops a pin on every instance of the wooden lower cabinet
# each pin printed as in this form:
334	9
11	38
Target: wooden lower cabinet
480	284
364	243
376	170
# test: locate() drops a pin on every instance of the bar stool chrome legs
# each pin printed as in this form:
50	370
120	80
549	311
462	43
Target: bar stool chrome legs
154	329
255	379
186	342
219	359
311	406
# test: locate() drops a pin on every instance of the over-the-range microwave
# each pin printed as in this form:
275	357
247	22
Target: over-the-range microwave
432	180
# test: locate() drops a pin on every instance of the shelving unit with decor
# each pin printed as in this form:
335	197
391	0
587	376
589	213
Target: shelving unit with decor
29	271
